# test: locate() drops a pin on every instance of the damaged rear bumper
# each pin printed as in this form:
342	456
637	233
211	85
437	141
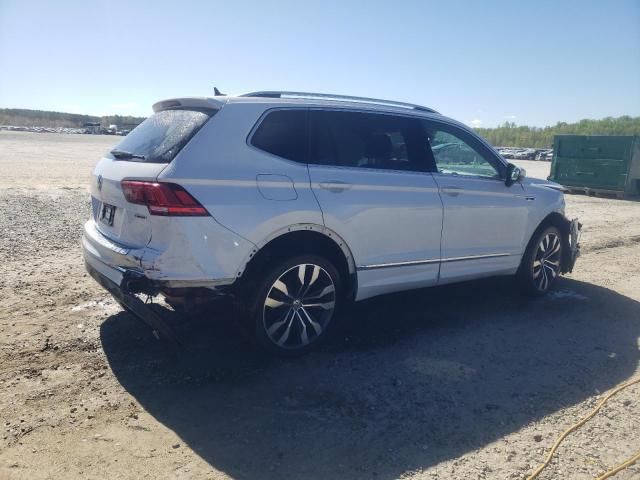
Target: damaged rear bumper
119	270
118	281
176	267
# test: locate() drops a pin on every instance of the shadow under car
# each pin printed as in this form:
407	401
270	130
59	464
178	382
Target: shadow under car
412	380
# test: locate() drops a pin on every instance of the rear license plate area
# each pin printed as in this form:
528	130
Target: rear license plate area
107	213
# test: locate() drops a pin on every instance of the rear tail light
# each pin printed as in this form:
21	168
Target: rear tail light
166	199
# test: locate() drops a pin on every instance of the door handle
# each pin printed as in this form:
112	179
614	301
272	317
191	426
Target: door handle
452	191
335	186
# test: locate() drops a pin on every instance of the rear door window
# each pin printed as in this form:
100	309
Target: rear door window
368	140
283	133
161	136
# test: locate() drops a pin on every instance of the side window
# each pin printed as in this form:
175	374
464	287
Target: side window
457	152
366	140
283	133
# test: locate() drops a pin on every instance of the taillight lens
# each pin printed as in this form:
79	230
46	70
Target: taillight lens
166	199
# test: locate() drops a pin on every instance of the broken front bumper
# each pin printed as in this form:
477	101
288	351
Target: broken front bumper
572	244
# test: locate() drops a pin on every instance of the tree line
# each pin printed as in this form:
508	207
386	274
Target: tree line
20	117
511	135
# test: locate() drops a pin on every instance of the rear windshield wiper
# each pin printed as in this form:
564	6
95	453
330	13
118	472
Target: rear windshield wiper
123	155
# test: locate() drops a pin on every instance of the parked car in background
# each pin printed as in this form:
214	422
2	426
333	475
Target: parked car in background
506	152
525	154
298	203
544	155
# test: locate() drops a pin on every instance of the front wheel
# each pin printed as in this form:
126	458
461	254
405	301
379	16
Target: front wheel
295	304
541	262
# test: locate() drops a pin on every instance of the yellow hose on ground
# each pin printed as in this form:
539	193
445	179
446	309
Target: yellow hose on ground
555	446
620	467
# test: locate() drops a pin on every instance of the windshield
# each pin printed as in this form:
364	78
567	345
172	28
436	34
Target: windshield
160	137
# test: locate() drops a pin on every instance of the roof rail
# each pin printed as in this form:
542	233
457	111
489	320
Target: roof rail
344	98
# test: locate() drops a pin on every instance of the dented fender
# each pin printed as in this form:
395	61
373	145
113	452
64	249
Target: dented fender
194	252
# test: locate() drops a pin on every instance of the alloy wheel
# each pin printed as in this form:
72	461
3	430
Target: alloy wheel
546	263
299	306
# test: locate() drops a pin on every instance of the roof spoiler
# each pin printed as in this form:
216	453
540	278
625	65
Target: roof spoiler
190	103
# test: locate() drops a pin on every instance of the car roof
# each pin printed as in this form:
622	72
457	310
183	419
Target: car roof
293	98
274	99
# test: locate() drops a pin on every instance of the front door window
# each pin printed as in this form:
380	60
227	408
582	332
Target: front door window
457	153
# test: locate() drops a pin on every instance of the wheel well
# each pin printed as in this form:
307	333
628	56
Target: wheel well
559	221
554	218
297	243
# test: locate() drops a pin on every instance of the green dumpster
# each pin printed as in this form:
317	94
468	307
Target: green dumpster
597	163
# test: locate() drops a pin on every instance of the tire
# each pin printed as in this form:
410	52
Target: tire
541	263
289	316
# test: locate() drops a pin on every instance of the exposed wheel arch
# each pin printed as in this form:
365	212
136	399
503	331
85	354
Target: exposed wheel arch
561	222
302	239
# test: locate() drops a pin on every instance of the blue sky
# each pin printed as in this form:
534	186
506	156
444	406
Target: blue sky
532	62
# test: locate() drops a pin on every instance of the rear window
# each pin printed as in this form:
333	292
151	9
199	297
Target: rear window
161	136
283	133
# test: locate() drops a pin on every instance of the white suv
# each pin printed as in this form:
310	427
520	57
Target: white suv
296	203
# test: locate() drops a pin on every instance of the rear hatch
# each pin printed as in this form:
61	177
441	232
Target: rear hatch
141	156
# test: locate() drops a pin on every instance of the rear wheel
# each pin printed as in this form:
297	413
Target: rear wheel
295	304
540	266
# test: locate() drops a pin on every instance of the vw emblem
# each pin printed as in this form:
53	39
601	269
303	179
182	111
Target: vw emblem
99	182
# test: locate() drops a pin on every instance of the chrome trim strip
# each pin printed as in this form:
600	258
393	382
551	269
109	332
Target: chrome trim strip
398	264
475	257
427	262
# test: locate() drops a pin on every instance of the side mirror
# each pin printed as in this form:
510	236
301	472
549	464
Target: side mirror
514	174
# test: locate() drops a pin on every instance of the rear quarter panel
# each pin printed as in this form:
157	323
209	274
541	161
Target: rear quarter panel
221	170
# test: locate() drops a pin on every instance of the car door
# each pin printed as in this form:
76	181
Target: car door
371	176
484	219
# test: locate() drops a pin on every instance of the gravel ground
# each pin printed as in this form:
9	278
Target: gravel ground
465	381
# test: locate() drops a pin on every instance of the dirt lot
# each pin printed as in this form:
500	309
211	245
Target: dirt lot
467	381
